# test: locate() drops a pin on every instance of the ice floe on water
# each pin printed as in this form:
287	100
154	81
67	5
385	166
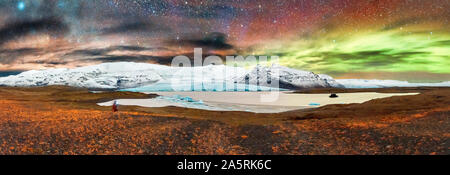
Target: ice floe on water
187	102
314	104
166	101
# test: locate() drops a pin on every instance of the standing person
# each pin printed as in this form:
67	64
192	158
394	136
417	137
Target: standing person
115	107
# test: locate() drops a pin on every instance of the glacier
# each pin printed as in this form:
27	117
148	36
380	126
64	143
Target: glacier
130	76
145	77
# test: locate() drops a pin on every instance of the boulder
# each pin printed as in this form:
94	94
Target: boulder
334	96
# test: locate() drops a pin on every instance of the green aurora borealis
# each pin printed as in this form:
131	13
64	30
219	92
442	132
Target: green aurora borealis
379	51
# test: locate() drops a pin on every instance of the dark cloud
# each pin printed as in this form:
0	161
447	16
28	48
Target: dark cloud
164	60
48	62
10	55
88	52
137	26
136	58
403	22
414	21
104	55
105	51
15	30
216	40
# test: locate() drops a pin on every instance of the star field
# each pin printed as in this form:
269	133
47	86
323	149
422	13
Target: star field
384	39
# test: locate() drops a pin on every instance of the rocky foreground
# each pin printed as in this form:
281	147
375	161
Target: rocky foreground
60	120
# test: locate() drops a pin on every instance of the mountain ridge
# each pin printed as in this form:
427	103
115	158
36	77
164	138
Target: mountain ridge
129	75
122	75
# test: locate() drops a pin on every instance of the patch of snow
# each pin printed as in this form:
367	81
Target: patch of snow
359	83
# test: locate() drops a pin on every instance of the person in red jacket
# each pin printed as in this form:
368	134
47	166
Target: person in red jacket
114	106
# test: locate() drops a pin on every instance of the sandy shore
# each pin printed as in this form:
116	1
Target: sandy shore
251	101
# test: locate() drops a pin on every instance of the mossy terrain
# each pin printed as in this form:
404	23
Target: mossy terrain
62	120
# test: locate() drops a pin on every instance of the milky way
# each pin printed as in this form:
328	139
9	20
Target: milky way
384	39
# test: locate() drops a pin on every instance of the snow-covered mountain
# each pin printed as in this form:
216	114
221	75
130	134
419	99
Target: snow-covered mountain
288	78
123	75
108	76
152	77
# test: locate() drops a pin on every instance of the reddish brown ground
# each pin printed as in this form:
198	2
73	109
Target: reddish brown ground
59	120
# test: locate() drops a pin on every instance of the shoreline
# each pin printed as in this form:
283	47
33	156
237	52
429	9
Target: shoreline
250	101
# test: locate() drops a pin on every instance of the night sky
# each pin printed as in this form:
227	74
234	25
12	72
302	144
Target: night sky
383	39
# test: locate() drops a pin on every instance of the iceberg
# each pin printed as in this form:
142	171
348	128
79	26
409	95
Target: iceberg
187	102
314	104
